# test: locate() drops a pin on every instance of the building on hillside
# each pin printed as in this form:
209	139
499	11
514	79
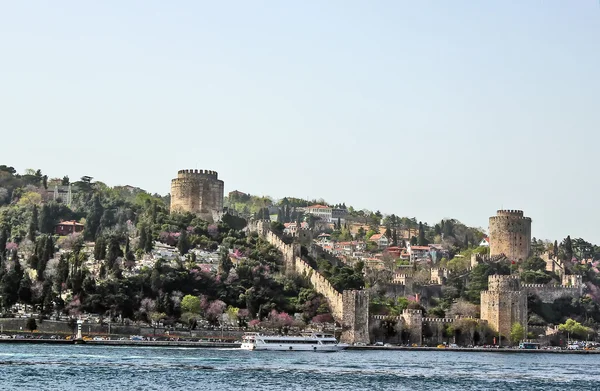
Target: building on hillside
327	213
485	242
324	239
418	253
394	251
381	240
437	252
60	193
68	227
292	228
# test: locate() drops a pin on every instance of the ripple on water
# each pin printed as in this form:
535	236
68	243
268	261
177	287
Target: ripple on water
39	367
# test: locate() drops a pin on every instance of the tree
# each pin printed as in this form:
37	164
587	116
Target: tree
421	240
214	311
183	244
24	292
31	324
191	304
33	224
93	218
568	248
225	264
534	264
100	248
517	332
149	245
4	235
574	328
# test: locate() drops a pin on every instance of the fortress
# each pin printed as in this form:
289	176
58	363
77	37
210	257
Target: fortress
199	192
510	235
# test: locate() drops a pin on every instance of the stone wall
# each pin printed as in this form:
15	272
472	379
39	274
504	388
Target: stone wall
549	293
199	192
414	322
350	308
510	234
9	325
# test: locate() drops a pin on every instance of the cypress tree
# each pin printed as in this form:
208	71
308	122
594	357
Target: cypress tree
183	244
143	238
421	240
149	242
3	240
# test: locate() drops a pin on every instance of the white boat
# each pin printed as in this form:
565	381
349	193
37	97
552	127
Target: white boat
315	342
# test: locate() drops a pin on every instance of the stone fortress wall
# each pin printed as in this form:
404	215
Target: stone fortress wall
572	286
510	235
349	308
199	192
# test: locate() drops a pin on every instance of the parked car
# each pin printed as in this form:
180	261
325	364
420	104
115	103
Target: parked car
4	336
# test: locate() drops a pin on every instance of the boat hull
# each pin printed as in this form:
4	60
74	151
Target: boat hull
295	347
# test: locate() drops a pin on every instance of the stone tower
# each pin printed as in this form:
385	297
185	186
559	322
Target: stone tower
504	303
199	192
510	234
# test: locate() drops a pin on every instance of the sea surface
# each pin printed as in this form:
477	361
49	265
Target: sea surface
78	367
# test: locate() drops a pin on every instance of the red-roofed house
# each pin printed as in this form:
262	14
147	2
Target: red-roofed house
68	227
418	252
381	240
485	242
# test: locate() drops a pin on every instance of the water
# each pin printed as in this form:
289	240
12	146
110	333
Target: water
45	367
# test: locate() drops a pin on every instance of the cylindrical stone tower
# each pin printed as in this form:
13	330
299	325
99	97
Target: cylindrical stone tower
510	235
199	192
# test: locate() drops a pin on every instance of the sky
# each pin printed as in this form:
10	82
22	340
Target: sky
426	109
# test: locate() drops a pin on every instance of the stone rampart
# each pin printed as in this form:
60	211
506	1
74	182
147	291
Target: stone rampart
349	308
549	293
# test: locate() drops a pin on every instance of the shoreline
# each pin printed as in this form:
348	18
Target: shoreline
233	345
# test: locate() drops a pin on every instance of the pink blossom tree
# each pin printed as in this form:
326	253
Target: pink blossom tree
214	311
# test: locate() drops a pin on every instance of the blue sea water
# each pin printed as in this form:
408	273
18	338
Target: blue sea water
71	367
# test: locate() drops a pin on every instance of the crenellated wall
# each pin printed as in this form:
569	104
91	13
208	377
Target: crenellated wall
199	192
349	308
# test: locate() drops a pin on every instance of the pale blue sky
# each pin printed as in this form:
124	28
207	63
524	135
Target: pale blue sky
421	108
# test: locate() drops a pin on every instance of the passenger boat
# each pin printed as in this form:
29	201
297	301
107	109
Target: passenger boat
315	342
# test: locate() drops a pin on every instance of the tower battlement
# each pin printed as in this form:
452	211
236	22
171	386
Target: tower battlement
194	173
499	283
